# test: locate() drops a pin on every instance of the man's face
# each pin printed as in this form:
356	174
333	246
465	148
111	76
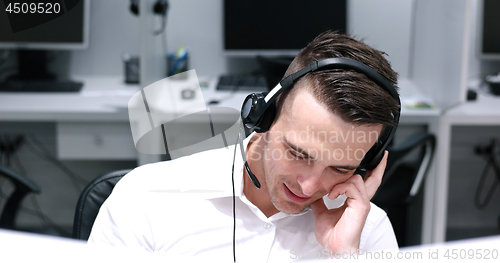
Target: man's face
309	150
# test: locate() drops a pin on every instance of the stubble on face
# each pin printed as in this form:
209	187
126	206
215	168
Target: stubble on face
277	182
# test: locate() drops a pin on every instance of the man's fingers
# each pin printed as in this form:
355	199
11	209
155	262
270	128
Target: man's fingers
374	178
353	188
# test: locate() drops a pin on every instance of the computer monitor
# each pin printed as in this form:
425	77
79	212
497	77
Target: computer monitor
33	27
278	27
489	37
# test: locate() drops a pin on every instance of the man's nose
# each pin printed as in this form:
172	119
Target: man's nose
310	180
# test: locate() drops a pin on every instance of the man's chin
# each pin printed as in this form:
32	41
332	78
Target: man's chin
291	208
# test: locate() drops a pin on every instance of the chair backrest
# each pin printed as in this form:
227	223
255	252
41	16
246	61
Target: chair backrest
22	186
90	201
402	181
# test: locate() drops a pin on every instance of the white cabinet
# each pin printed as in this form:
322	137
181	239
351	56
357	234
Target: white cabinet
95	141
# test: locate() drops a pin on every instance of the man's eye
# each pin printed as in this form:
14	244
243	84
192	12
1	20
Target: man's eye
297	155
341	171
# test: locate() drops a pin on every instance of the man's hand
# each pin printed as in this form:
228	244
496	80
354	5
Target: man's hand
339	230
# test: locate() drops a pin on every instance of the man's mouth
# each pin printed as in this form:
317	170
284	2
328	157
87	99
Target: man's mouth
294	197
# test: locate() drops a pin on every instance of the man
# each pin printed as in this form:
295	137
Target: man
310	203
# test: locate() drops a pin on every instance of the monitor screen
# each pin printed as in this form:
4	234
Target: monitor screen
44	25
490	32
33	28
278	27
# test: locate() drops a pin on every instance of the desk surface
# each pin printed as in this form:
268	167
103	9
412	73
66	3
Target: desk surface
101	99
486	110
106	99
20	246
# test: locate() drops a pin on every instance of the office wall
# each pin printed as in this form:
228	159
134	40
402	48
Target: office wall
198	25
387	26
114	30
437	63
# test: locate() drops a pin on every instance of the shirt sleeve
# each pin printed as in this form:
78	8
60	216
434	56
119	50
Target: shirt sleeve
121	221
378	233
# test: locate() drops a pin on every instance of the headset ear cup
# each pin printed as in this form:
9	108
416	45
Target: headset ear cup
267	119
134	7
375	160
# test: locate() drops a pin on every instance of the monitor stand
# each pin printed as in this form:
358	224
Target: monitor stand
32	65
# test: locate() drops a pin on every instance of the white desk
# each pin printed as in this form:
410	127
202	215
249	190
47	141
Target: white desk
91	124
55	249
19	246
101	99
484	111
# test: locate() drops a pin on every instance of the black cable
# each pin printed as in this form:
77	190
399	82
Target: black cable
161	8
2	194
2	151
492	161
73	180
479	189
29	211
19	165
164	44
36	144
234	202
3	57
4	146
46	219
5	156
37	211
3	161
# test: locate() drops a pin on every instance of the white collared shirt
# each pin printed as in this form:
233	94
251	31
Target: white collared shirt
184	207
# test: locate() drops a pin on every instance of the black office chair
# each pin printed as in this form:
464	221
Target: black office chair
274	68
22	186
91	199
401	185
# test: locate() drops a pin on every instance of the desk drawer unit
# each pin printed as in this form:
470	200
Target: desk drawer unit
95	141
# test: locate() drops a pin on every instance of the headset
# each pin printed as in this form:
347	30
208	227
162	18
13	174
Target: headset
259	109
159	8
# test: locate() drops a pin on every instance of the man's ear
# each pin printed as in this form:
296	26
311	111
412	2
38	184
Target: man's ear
255	137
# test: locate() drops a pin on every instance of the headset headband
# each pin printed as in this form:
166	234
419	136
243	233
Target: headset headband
334	63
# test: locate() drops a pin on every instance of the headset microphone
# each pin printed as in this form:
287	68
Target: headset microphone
247	168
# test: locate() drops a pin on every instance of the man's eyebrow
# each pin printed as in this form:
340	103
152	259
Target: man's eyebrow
301	151
298	149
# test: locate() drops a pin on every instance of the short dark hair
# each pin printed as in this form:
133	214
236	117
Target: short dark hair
349	94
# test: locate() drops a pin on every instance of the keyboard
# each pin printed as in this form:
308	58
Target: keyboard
40	86
242	83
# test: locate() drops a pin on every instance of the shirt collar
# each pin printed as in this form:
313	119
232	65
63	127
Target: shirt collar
238	184
237	170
